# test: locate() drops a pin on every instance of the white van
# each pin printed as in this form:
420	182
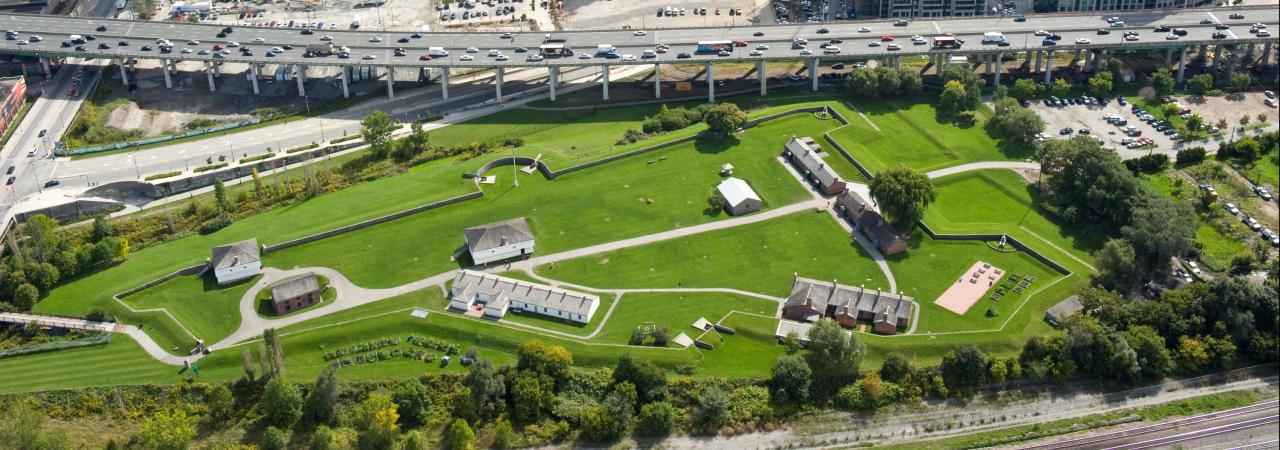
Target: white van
992	37
437	51
603	49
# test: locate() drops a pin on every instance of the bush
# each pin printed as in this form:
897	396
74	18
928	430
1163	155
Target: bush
215	224
208	167
672	119
1188	156
256	158
656	419
1155	162
163	175
272	439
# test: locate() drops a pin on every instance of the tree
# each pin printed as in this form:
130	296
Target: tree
1161	81
25	296
376	129
460	436
1060	88
964	366
902	194
272	439
1116	68
1238	82
656	419
909	83
322	439
1100	84
170	429
888	81
1158	230
1195	122
649	380
1192	354
895	367
281	403
322	400
862	83
550	360
488	388
531	394
834	356
413	401
1026	89
1153	356
1115	263
504	436
712	410
376	422
220	196
42	237
725	118
22	428
1200	84
791	378
257	182
953	99
221	403
101	229
1015	123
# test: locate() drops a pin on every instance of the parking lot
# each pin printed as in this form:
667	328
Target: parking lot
1086	119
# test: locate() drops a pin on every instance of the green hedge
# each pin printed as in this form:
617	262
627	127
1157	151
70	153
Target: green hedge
97	339
163	175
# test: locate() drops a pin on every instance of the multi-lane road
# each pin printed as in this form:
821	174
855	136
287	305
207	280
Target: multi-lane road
379	46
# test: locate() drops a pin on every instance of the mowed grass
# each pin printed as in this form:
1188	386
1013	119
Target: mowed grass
209	311
656	192
676	311
760	257
121	361
910	133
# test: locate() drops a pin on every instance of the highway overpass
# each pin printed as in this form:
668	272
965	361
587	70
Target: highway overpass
860	41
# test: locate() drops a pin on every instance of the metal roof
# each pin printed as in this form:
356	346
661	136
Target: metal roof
735	191
472	282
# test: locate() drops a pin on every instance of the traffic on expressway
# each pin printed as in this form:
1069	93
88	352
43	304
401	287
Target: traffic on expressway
103	38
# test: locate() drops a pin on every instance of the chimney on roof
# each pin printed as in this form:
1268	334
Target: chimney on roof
504	240
235	260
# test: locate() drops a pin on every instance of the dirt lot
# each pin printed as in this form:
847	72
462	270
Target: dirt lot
589	14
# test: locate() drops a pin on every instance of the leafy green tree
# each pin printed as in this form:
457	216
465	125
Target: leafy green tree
323	439
25	296
376	423
909	83
1153	355
1026	89
1158	230
101	229
414	440
713	409
531	394
413	401
1192	354
460	436
656	419
1195	122
488	388
1060	88
22	428
895	367
550	360
1200	84
376	128
322	400
649	380
725	118
1087	177
834	356
862	83
169	429
1100	84
1115	263
964	366
221	403
1015	123
1116	68
953	99
1161	81
902	194
888	81
220	196
281	403
1239	82
791	378
272	439
504	436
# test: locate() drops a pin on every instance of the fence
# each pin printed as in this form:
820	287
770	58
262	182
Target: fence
996	237
169	137
370	222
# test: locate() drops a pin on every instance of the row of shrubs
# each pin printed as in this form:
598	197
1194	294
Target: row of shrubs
360	348
92	339
373	357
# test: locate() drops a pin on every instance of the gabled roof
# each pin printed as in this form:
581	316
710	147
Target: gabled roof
235	254
808	159
735	191
498	234
877	228
473	282
1066	308
847	299
293	287
854	205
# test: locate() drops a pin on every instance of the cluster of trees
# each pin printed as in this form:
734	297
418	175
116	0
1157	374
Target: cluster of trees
1151	163
41	257
1199	327
1162	82
1249	148
672	119
1092	186
883	82
1013	122
961	92
721	118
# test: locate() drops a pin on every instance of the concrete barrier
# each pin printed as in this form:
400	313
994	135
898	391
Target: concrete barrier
996	237
370	222
192	270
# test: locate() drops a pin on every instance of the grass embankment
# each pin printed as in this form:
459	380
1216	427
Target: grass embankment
17	120
208	310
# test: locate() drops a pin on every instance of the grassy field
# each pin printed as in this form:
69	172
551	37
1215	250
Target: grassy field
627	198
760	257
676	311
121	361
1265	171
209	311
910	133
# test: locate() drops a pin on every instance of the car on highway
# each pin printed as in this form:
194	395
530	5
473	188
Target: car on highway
1020	19
101	28
762	47
368	56
873	44
1131	37
758	34
466	58
52	183
1162	29
1171	37
403	40
494	52
1041	33
886	38
805	52
375	39
399	52
1206	21
722	53
472	50
638	33
501	58
1263	33
1236	16
11	180
326	38
122	44
79	48
146	48
823	31
11	169
1048	42
42	133
23	42
756	53
1219	35
259	39
893	47
587	56
682	55
103	46
864	30
831	50
307	31
190	42
1082	41
536	58
424	58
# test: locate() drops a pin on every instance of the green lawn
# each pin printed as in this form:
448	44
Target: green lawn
1265	171
911	134
760	257
632	197
209	311
121	361
677	311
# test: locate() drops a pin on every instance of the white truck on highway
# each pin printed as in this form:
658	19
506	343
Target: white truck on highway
604	49
992	37
437	51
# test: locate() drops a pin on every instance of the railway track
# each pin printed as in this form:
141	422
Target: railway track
1101	440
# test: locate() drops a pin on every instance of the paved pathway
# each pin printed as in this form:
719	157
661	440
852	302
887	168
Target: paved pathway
983	166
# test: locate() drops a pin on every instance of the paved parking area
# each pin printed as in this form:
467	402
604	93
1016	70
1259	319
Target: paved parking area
1092	118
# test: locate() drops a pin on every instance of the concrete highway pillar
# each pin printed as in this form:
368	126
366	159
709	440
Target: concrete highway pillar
1048	67
444	82
1182	64
986	64
711	84
1076	59
657	81
1039	58
1248	54
132	63
168	78
300	74
1027	62
1168	56
553	80
937	67
813	74
497	82
391	81
897	62
208	72
1266	54
999	67
345	73
1100	62
124	74
253	78
604	80
1203	54
44	66
764	81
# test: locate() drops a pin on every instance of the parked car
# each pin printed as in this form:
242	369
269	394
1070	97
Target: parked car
1262	192
1231	208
